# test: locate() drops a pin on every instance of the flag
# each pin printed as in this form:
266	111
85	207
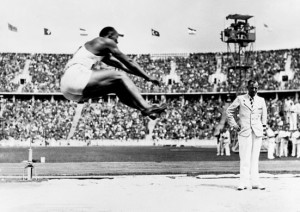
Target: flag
83	32
47	31
12	28
192	31
155	33
267	27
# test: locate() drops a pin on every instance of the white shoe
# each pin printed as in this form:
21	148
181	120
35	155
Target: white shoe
271	158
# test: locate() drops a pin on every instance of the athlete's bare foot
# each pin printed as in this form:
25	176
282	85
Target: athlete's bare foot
154	111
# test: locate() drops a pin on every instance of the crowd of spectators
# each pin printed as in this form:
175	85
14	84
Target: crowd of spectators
40	119
111	120
189	119
193	71
44	119
46	71
11	64
263	67
184	119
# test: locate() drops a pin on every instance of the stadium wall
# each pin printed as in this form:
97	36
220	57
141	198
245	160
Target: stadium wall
108	142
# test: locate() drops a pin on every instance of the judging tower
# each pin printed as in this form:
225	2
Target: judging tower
239	35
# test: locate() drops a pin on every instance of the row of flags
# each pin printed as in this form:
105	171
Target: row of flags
83	32
190	32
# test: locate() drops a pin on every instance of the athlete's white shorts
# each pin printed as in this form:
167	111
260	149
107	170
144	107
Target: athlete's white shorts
74	80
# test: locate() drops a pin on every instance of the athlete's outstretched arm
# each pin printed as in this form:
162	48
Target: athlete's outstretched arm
130	64
112	61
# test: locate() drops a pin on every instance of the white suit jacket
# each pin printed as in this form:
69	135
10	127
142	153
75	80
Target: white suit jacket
250	119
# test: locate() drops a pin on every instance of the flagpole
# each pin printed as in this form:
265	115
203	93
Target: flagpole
29	166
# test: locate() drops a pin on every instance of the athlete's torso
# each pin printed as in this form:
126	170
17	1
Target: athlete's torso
84	57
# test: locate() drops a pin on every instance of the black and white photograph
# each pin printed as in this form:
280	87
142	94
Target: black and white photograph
149	106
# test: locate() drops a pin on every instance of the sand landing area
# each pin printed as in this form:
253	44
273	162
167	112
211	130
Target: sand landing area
148	186
141	193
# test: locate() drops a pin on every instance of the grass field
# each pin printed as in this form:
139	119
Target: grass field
118	154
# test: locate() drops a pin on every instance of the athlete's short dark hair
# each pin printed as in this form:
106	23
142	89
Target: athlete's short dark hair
109	30
106	31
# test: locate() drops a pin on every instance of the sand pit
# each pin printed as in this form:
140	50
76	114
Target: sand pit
151	193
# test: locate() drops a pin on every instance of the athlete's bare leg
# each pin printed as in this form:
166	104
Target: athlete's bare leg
103	82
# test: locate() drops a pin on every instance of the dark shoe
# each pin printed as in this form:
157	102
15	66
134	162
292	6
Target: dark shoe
260	187
154	111
240	188
243	187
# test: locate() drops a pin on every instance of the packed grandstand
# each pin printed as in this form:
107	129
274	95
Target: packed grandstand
196	87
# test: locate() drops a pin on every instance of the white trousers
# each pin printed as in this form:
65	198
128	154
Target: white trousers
271	148
225	148
219	148
296	148
293	121
283	148
277	148
249	150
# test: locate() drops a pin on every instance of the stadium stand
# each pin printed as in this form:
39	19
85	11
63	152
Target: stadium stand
195	87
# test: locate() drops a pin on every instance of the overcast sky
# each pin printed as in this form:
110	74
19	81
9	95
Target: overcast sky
135	18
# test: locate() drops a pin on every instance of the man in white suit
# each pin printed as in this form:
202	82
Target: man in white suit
252	112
